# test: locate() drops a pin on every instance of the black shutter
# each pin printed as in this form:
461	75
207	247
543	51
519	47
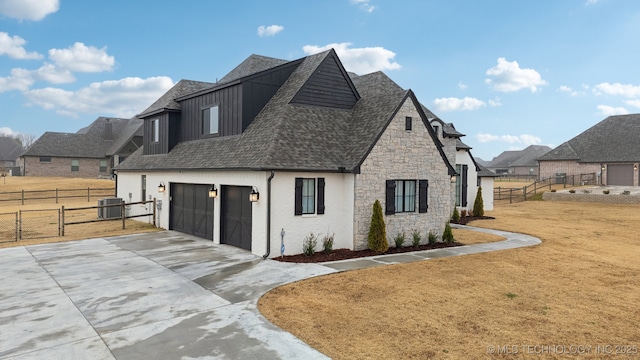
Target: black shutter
424	196
390	206
320	202
465	171
298	207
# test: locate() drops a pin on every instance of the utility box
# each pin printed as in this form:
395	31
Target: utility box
110	212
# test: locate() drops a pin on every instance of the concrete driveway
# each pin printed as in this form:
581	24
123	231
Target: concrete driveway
163	295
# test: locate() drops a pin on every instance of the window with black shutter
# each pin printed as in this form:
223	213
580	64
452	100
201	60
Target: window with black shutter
309	196
390	198
423	196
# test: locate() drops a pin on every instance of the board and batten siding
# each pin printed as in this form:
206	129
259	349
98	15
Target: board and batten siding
229	102
162	146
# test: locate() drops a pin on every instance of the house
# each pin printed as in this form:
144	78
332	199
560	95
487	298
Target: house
277	150
519	162
471	175
10	151
610	150
91	152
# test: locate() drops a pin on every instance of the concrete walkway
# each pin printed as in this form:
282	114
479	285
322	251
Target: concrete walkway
162	295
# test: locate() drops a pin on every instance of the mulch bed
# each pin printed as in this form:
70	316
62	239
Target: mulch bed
344	254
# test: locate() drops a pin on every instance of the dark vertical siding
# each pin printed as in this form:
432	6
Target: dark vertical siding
162	146
259	90
174	130
230	105
327	87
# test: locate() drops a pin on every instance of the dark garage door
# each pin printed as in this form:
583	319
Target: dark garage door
236	216
620	174
191	210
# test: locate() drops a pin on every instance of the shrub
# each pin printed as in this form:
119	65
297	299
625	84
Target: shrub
327	243
416	237
456	215
399	239
463	213
572	191
605	191
309	244
447	235
478	205
377	239
553	190
586	191
432	238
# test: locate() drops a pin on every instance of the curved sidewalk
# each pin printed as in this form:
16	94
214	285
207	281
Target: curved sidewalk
513	241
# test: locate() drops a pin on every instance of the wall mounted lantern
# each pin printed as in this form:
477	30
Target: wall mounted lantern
453	178
254	195
635	167
161	187
213	192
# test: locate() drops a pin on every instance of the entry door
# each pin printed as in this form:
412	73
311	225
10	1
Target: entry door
620	174
191	210
236	216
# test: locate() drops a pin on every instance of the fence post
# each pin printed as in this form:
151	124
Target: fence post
122	213
62	222
154	212
524	193
88	194
56	195
17	225
499	193
58	222
510	195
22	197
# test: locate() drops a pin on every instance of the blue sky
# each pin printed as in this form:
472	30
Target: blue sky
507	73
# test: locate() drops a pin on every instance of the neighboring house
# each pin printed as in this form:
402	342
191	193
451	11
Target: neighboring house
10	151
519	162
609	149
89	153
290	148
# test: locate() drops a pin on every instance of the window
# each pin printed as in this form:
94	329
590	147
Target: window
436	129
407	123
210	120
309	198
461	185
103	165
155	130
45	159
401	196
143	187
75	165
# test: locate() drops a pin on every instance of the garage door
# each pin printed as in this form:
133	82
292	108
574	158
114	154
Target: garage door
191	210
620	174
236	216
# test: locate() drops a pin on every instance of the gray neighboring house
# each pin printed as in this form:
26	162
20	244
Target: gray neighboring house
91	152
610	150
10	151
518	162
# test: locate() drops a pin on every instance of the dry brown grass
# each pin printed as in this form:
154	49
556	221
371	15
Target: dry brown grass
579	287
43	224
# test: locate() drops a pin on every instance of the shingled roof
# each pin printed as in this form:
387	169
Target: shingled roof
614	139
168	100
98	140
526	157
288	136
10	149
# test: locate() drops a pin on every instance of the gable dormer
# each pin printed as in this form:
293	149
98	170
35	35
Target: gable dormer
328	86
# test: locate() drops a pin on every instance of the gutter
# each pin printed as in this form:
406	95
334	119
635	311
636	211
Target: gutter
266	255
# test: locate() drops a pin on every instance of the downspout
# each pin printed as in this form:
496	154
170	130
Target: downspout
266	255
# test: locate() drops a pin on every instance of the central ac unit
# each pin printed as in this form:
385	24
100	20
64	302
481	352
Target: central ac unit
109	212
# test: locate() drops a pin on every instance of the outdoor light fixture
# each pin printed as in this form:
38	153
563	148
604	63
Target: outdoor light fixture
453	178
635	167
254	195
602	167
161	187
213	192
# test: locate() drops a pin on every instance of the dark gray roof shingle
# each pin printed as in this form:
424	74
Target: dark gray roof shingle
10	149
253	64
525	157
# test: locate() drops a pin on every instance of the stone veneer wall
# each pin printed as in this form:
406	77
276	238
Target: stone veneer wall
88	168
402	155
592	198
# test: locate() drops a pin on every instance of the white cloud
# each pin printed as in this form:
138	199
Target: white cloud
359	60
13	46
29	9
82	58
456	104
607	110
524	139
626	90
495	102
591	2
53	74
5	131
270	30
20	79
509	77
123	98
462	86
365	5
634	103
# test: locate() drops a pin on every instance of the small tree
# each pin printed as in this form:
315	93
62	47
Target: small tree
377	231
478	205
456	215
447	235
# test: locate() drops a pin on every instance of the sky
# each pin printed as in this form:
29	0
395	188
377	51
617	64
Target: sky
507	74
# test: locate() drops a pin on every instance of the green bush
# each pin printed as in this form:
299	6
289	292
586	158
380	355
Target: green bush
432	238
447	235
327	243
456	215
416	237
478	205
309	244
377	239
399	239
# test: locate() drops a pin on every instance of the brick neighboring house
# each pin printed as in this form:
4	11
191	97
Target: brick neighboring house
10	151
610	150
288	148
91	152
518	162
